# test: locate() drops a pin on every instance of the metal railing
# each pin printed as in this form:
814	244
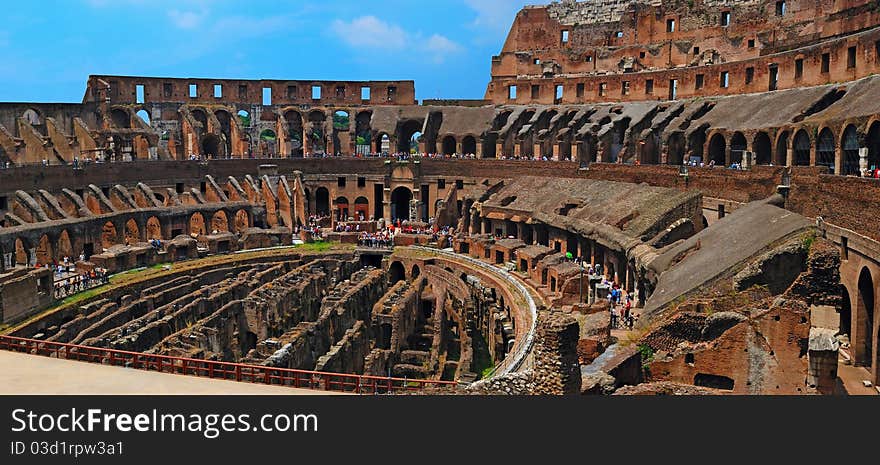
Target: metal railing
302	379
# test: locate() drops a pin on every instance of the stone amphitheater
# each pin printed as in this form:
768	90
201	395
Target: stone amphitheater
717	162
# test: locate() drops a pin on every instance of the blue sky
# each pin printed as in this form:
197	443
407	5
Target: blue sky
49	47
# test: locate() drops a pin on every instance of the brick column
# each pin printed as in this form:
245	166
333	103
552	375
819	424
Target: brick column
557	371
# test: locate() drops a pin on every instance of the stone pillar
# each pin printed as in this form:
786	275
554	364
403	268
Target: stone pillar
592	253
838	159
536	151
556	152
575	152
479	152
863	159
498	150
520	231
789	156
557	371
812	153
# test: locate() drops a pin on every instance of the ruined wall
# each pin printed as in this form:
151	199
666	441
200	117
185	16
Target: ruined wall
557	371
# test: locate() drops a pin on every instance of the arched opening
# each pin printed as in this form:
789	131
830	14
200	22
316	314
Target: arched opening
22	252
415	142
489	146
717	147
144	116
648	153
32	117
244	119
865	319
268	141
65	247
220	222
676	149
120	118
197	225
408	136
211	146
154	229
109	237
45	254
469	146
201	117
401	199
132	232
242	221
316	138
696	143
825	148
416	272
362	209
851	146
342	209
363	133
341	131
781	150
322	202
295	133
449	145
763	148
801	149
738	146
383	144
397	273
588	150
873	142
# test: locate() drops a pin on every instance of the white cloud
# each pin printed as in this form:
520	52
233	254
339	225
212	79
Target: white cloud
370	32
186	19
495	14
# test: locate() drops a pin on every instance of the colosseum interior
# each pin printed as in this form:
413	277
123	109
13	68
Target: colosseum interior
716	161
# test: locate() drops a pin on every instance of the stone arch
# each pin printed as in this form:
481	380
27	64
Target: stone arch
199	115
449	145
65	247
322	201
696	144
242	221
717	149
851	146
144	116
154	228
763	148
317	139
295	133
675	149
864	314
197	224
342	208
362	208
396	273
109	236
120	118
649	154
738	147
801	148
781	158
212	146
826	149
406	131
383	143
244	118
469	145
873	142
45	252
363	133
132	232
400	203
33	117
220	222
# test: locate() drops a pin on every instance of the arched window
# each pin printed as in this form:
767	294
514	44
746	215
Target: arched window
850	152
802	149
825	150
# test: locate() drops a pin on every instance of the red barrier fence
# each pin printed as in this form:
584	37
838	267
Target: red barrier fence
336	382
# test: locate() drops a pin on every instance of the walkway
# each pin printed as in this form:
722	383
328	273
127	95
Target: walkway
27	374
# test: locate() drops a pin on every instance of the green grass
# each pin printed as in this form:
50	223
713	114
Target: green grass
317	246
